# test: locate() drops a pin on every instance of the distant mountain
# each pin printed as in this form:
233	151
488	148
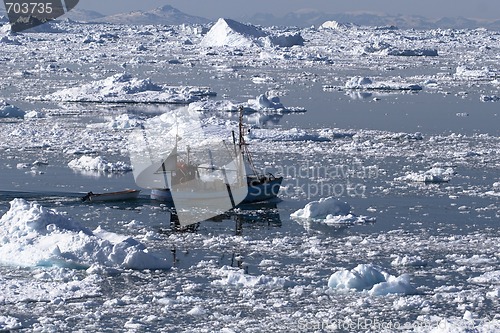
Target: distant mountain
83	15
309	17
162	15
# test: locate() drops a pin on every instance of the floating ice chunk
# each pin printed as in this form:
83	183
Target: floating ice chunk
123	88
10	111
434	175
212	105
489	278
9	40
8	323
98	163
413	52
330	211
239	279
492	98
124	121
34	115
408	261
293	134
288	39
364	83
197	311
323	208
31	235
231	33
467	72
370	278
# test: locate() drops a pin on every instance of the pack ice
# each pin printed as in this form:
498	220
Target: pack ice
123	88
31	235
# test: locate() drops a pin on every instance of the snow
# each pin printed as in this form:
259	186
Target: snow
364	83
227	32
31	235
123	88
10	111
372	279
98	163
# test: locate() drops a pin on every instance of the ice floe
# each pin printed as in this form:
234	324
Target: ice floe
8	323
470	73
372	279
330	211
31	235
434	175
123	88
10	111
264	103
491	98
365	83
99	164
238	278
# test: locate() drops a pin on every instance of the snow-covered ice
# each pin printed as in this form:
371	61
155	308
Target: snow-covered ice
372	279
364	83
98	164
123	88
227	32
10	111
330	211
32	235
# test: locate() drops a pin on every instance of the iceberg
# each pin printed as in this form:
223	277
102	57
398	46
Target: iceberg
330	211
231	33
372	279
10	111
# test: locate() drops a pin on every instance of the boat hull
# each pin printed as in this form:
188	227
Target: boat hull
112	196
256	193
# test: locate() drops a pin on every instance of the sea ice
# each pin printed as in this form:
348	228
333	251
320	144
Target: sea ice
123	88
492	98
230	33
434	175
330	211
370	278
239	279
10	111
8	323
98	163
31	235
469	73
262	103
364	83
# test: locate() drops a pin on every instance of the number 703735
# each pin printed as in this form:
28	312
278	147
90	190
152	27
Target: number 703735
29	7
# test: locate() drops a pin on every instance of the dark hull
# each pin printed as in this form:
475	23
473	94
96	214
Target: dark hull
258	191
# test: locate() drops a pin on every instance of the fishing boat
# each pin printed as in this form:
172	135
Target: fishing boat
255	186
111	196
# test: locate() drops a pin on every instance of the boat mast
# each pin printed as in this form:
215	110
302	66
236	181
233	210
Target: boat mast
243	144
